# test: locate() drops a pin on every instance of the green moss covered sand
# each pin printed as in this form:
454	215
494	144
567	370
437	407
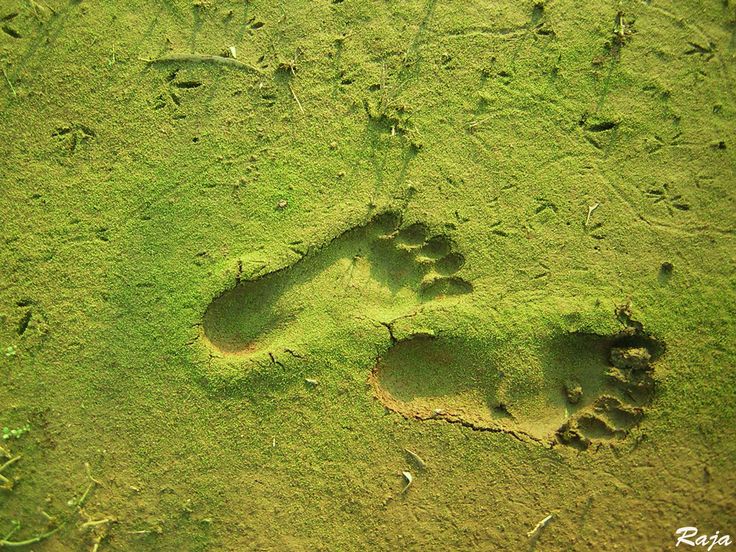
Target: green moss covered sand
431	221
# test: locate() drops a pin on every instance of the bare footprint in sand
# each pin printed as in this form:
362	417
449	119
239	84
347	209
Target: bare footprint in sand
380	267
592	389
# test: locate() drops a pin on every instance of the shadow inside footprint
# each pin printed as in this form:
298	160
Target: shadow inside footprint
424	372
378	265
591	389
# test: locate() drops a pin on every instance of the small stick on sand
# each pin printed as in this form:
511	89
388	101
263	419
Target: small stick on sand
297	99
10	84
416	458
203	58
534	533
409	480
590	212
94	523
89	474
6	542
7	483
10	462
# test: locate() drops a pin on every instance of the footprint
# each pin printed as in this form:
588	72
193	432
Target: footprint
380	269
589	389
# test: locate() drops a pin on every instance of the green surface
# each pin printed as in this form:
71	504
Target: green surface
139	186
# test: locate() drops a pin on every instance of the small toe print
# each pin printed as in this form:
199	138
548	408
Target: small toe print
387	223
413	235
444	287
449	264
436	247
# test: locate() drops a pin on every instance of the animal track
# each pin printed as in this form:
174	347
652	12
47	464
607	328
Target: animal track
382	269
592	389
74	136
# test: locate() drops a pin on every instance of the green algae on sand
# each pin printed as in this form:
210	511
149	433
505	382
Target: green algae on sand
549	163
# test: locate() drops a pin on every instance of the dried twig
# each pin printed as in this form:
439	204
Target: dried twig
38	538
534	533
409	480
6	542
6	483
297	99
590	212
10	84
416	458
